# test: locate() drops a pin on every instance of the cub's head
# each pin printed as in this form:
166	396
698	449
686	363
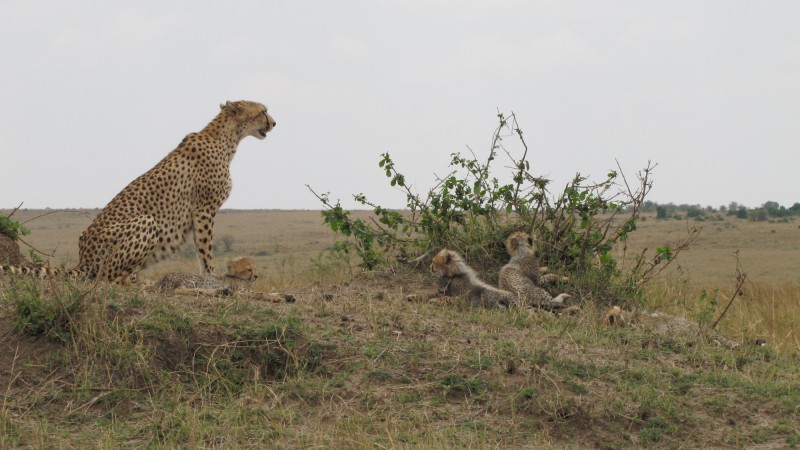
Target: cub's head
616	316
519	241
251	116
445	263
243	269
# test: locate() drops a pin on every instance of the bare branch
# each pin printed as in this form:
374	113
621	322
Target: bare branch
655	266
740	279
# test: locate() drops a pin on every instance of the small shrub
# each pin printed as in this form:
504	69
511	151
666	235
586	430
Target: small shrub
38	315
377	375
12	228
708	300
655	429
762	435
793	440
457	385
695	213
526	393
227	242
757	215
408	397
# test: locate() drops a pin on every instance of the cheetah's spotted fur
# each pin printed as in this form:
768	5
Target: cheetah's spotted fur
522	275
242	272
665	326
458	278
154	215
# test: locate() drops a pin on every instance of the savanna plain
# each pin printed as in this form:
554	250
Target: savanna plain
353	364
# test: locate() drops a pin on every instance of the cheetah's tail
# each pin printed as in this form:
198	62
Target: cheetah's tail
39	272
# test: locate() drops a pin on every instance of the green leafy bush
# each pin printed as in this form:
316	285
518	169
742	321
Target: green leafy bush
12	228
473	209
37	314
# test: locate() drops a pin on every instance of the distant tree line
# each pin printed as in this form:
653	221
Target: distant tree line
768	211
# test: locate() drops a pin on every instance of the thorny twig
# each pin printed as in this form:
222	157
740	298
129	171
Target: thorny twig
654	266
740	279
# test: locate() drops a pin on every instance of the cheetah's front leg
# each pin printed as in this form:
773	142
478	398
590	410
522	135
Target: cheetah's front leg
203	239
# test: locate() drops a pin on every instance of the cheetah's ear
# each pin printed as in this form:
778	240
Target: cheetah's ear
230	106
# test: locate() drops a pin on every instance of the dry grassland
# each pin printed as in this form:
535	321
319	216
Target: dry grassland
290	249
769	252
770	257
353	364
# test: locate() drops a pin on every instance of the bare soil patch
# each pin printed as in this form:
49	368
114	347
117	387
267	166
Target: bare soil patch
9	251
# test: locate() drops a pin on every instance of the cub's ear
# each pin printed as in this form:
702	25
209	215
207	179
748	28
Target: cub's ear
230	106
448	259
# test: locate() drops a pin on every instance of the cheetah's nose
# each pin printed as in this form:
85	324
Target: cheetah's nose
274	124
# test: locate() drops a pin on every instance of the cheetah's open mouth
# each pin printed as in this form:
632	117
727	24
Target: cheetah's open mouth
263	132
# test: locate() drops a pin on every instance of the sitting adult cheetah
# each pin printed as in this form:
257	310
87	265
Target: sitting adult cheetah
522	275
458	278
665	326
153	216
242	272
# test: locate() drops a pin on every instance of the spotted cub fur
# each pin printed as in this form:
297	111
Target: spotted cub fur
242	272
523	277
665	326
517	243
457	278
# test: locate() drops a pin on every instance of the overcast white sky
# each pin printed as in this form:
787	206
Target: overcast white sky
94	93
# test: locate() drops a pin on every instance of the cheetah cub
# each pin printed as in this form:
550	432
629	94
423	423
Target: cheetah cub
458	278
523	277
664	325
242	272
517	243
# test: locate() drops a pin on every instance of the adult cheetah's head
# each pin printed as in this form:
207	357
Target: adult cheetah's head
252	116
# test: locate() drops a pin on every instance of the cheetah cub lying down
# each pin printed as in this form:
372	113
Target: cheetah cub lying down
242	272
523	277
457	278
665	325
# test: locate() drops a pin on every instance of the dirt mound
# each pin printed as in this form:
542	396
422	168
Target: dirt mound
9	251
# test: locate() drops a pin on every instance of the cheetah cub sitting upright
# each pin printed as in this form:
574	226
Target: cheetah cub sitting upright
242	272
523	277
458	278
